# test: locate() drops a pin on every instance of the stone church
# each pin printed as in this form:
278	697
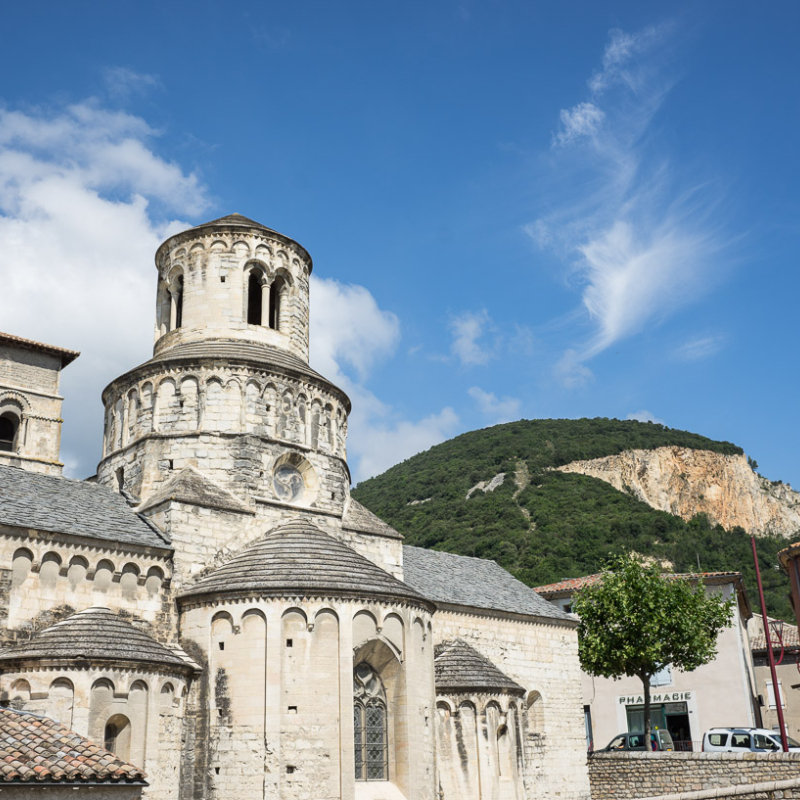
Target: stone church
213	616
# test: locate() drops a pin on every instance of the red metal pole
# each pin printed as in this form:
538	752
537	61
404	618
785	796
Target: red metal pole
775	687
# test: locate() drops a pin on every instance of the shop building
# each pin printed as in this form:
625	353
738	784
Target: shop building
720	693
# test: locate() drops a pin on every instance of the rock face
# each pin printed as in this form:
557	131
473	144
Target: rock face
687	482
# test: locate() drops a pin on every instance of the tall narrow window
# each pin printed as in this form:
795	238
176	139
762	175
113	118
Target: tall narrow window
117	736
254	299
275	304
370	728
179	304
9	426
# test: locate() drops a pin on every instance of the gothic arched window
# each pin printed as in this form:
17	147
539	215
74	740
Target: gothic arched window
371	741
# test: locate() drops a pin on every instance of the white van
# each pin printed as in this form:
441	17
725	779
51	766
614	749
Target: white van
740	740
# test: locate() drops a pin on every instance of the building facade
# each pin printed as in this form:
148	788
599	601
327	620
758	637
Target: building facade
720	693
214	608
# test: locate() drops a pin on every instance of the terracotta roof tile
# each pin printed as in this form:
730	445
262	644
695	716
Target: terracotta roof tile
37	749
66	356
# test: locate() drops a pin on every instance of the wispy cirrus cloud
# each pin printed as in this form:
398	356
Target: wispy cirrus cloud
699	348
640	240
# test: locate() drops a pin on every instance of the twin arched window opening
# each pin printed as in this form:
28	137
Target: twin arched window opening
9	432
370	725
264	300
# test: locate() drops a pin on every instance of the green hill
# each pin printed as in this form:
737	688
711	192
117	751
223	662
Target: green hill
545	526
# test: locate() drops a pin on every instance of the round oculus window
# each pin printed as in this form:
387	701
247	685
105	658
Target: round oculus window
288	483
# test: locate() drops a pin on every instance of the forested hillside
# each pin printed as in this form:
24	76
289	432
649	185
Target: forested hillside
545	525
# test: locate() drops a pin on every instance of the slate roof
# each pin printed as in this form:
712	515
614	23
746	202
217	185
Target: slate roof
459	667
192	486
95	634
63	505
361	519
261	355
66	356
39	750
472	582
299	558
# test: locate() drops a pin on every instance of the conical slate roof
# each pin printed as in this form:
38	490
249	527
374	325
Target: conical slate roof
95	634
298	558
458	667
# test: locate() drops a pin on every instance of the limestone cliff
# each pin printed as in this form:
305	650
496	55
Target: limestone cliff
687	482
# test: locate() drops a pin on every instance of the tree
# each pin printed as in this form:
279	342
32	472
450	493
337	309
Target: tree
635	621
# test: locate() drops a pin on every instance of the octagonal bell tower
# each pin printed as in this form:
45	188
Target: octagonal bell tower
229	394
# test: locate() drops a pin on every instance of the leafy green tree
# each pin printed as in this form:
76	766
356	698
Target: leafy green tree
635	621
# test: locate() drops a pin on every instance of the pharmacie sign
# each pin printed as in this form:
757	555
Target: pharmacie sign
655	697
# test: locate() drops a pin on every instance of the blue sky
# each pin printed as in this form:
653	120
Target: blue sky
515	209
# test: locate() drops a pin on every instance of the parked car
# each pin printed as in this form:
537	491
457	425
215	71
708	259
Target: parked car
659	740
739	740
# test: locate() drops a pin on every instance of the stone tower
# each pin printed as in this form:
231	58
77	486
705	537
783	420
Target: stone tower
30	403
229	390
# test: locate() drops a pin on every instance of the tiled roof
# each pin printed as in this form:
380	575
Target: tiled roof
360	519
66	356
459	667
299	558
39	750
570	585
787	631
192	486
95	634
472	582
63	505
262	355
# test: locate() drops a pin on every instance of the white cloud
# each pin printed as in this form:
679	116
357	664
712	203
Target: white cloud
350	334
347	327
699	348
583	119
468	330
571	372
644	416
500	410
78	235
382	445
641	245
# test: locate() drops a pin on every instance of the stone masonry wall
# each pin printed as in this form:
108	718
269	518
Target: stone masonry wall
276	697
29	390
629	776
542	658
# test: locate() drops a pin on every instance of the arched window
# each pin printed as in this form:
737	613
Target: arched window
370	726
275	297
9	427
179	303
117	736
254	302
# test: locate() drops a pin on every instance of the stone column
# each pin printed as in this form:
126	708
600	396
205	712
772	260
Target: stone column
173	311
